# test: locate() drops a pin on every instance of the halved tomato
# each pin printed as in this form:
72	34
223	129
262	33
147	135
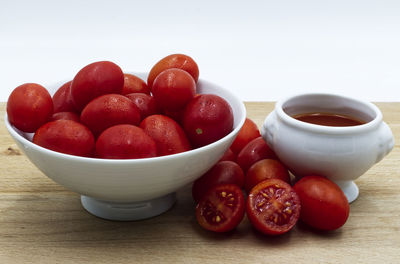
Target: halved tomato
273	207
221	209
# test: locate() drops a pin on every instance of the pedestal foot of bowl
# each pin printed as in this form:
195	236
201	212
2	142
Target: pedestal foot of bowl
128	211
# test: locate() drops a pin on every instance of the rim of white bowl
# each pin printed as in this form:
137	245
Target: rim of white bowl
12	130
279	107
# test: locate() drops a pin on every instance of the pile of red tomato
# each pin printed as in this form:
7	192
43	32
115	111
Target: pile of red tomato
106	113
250	179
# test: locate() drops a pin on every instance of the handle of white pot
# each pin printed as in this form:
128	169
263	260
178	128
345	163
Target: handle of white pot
385	141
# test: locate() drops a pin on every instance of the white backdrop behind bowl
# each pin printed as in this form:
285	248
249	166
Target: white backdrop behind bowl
261	50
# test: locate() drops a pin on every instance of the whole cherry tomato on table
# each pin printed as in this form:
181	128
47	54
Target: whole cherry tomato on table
206	119
265	169
324	205
179	61
255	150
228	155
94	80
221	173
222	208
168	134
65	136
273	207
247	133
29	106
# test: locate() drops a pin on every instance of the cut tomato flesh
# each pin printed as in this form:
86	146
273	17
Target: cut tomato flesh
221	209
273	207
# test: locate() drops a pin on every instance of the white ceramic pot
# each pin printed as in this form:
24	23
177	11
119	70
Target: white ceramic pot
342	154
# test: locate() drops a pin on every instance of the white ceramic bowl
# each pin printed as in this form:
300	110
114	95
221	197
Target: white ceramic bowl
341	154
131	189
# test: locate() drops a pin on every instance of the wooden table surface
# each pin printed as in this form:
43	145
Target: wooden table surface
42	222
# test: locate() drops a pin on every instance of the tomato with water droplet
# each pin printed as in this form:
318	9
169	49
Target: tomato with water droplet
206	119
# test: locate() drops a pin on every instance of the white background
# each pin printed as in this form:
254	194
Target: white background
261	50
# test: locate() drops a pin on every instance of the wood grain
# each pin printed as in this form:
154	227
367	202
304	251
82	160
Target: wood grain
41	222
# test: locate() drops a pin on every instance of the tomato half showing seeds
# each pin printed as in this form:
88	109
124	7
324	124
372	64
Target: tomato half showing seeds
65	136
29	106
324	205
180	61
273	207
221	173
221	209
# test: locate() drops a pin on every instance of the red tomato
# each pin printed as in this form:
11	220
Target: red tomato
109	110
173	89
168	135
96	79
176	115
66	116
133	84
221	209
62	99
179	61
265	169
273	207
65	136
247	133
145	103
323	204
125	142
29	106
254	151
206	119
229	155
222	172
